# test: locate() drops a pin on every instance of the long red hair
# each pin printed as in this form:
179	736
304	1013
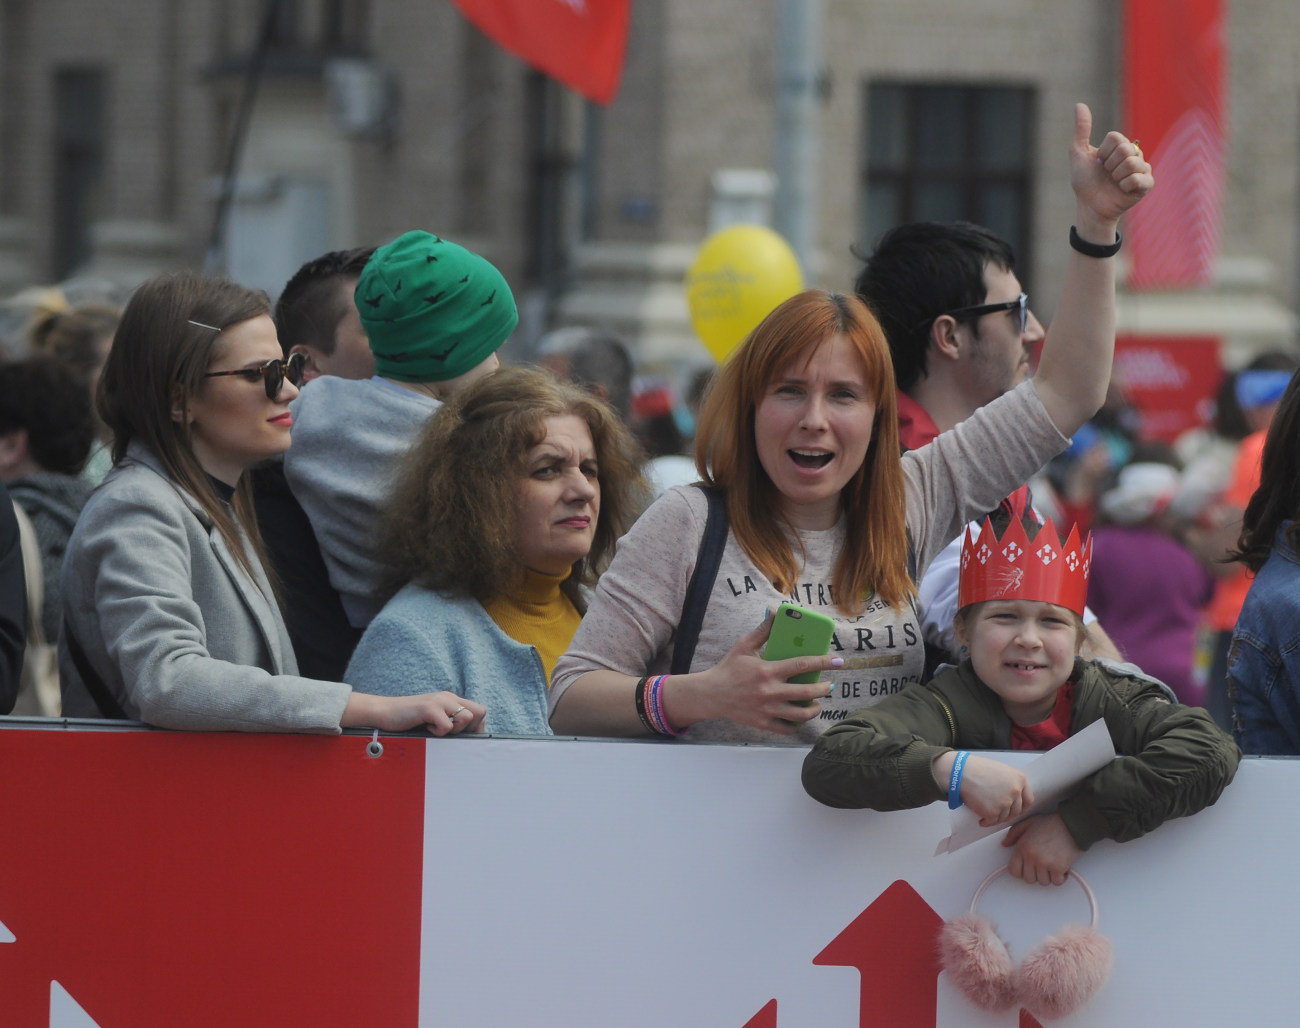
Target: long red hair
874	557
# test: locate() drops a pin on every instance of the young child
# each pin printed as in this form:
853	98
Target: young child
1021	686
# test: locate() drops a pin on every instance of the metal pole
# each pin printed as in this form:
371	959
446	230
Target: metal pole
216	256
800	87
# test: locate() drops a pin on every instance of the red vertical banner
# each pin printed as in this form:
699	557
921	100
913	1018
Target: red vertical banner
581	43
1174	76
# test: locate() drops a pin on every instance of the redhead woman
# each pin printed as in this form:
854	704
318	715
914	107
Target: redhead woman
169	616
505	510
799	438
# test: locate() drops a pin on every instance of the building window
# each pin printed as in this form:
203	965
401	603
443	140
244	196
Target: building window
342	25
949	153
79	134
314	26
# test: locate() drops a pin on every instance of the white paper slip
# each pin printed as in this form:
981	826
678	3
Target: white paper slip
1050	776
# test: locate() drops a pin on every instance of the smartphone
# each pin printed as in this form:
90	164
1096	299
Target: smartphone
799	632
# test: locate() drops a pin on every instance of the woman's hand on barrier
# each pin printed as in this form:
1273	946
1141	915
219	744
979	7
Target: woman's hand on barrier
1044	850
745	688
443	713
995	791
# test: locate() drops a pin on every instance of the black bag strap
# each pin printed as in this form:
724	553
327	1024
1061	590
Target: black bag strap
707	562
98	689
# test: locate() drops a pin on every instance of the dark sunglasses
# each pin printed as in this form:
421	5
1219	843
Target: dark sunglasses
989	308
272	373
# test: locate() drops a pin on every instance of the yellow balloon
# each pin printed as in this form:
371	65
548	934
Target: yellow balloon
740	274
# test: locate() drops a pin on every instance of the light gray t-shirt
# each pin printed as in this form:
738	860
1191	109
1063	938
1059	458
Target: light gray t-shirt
630	624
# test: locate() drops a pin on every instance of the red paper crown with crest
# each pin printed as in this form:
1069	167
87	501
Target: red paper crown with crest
1013	568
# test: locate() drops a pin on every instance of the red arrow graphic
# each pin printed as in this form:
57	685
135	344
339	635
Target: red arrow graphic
765	1018
891	943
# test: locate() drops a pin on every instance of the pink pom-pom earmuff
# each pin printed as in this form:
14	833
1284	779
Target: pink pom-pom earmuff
1058	976
978	962
1064	971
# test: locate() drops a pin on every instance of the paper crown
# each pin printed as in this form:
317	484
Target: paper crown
1013	568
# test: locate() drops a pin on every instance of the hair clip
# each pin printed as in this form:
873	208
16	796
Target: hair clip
199	324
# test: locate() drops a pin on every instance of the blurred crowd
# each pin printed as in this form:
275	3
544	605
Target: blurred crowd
340	510
1165	517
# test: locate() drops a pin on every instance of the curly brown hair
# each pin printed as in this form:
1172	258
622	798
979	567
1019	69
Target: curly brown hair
450	521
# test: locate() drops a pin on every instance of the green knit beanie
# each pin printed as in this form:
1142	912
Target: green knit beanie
432	309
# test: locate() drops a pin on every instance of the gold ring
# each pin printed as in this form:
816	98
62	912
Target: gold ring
455	712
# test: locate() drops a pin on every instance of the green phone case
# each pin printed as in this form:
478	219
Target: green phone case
799	632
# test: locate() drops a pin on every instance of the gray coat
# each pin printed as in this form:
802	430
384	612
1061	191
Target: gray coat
170	621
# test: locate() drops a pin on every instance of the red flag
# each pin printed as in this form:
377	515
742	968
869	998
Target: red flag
579	42
1174	71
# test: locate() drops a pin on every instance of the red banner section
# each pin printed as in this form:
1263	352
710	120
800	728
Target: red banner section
1174	75
1170	379
184	879
580	42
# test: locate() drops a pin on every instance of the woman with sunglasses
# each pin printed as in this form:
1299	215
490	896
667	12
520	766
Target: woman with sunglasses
169	615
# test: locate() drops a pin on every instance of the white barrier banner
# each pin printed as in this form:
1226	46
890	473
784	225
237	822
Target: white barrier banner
650	885
154	878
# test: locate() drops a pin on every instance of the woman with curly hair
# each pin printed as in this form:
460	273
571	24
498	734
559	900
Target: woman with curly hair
169	615
505	511
1264	658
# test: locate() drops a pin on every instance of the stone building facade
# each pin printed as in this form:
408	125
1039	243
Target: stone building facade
375	116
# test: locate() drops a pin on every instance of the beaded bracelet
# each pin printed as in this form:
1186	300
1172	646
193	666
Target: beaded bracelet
656	706
640	692
650	705
954	780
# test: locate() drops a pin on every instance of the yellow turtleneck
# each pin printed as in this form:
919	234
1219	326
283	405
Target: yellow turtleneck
535	612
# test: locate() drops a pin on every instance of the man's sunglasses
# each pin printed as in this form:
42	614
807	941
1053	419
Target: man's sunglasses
272	373
989	308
